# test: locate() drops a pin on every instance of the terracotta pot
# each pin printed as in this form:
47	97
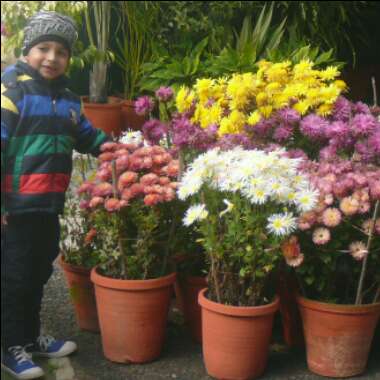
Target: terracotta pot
130	119
82	295
104	116
338	337
190	286
287	290
236	339
132	316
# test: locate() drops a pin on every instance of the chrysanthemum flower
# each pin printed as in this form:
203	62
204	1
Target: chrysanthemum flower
358	250
321	236
331	217
195	213
281	224
349	206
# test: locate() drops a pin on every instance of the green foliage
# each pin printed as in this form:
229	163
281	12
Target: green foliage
134	41
147	238
242	255
174	71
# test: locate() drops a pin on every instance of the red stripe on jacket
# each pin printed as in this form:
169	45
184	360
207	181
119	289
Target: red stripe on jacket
43	183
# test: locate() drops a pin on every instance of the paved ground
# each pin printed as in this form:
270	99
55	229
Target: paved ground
181	358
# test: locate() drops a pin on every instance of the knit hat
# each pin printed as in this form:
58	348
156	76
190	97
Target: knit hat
49	26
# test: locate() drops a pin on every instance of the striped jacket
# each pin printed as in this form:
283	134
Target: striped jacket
41	123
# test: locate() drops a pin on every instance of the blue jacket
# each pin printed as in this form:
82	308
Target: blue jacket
41	123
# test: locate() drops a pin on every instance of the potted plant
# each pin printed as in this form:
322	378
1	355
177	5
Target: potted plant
134	47
244	207
133	195
79	253
339	277
102	111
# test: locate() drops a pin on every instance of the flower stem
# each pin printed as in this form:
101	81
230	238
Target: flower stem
215	279
359	292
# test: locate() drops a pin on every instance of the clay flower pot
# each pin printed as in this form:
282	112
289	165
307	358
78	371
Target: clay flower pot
189	288
130	119
132	316
236	339
104	116
82	294
338	337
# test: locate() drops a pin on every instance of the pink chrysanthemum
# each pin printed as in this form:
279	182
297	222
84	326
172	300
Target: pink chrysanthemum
331	217
358	250
321	236
349	206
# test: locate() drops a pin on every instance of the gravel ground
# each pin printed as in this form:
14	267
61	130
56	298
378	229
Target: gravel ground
181	358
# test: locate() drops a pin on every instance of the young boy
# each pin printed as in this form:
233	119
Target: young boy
41	122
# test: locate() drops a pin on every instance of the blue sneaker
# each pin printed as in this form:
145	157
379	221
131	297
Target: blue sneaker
49	347
18	363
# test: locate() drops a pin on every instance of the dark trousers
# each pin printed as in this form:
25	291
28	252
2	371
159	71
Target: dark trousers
29	245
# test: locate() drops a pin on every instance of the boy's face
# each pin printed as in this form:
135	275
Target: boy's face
49	58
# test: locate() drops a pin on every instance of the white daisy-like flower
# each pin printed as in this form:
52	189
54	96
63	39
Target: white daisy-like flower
281	224
229	205
189	187
132	137
306	199
258	196
195	213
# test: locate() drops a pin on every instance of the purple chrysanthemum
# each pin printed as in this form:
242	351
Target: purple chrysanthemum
282	133
374	142
314	126
288	116
360	107
164	94
362	125
183	131
154	131
342	109
328	153
230	141
144	105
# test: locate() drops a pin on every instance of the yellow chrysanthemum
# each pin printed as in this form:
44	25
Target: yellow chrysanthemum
254	118
330	73
341	85
203	88
210	115
325	109
184	99
266	110
302	107
329	94
261	98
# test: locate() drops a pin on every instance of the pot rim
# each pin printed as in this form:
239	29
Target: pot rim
71	267
112	283
337	308
117	103
238	311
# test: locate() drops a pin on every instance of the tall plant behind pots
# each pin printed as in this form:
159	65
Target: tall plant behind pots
235	196
134	47
103	112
